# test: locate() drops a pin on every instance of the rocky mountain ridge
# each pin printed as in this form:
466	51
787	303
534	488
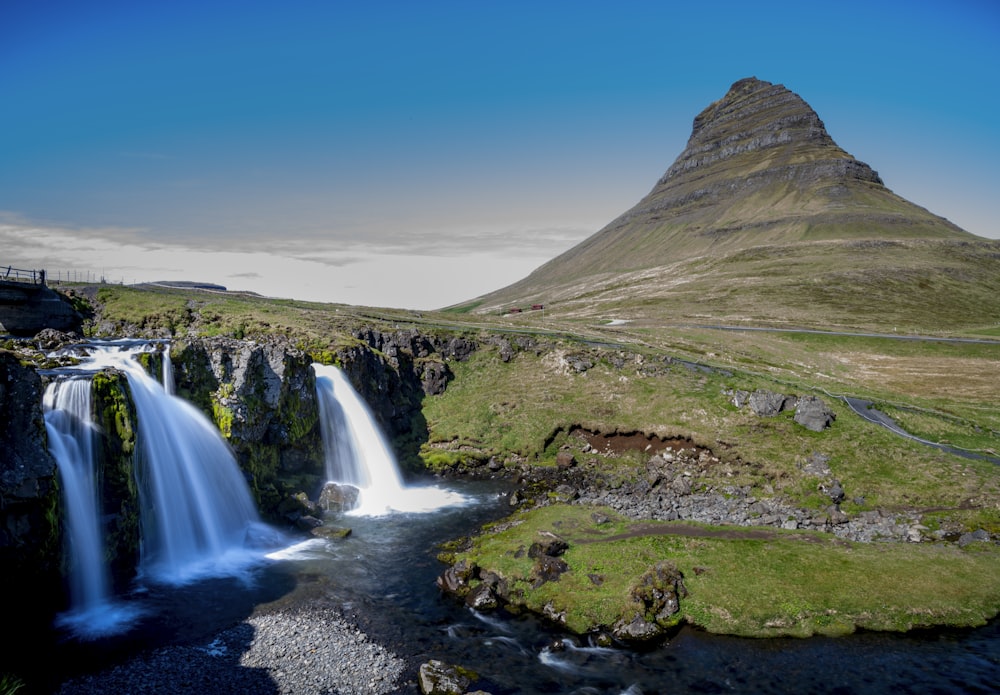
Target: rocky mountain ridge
759	172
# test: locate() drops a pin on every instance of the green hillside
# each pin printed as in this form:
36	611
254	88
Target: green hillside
764	218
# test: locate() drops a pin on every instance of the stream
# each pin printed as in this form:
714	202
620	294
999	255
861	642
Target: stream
382	578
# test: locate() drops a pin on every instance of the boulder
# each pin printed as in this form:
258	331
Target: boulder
435	377
565	460
482	598
547	569
548	544
456	578
338	497
331	532
813	414
638	629
980	536
438	678
767	403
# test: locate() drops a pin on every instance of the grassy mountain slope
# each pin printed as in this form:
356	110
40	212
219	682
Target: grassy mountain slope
764	218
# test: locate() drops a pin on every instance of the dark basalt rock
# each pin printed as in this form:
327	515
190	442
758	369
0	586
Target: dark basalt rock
338	497
438	678
767	403
657	596
813	414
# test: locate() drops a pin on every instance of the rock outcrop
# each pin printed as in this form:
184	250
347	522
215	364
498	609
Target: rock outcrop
26	309
30	537
262	395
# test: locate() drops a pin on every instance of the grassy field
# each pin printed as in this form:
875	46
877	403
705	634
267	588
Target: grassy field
759	583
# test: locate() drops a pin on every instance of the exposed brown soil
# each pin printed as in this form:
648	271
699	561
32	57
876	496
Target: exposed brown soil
617	443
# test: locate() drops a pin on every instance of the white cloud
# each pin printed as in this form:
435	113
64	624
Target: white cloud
422	274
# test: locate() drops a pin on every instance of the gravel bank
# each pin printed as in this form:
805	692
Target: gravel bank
301	651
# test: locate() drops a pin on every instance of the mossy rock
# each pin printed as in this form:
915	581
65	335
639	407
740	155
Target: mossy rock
114	413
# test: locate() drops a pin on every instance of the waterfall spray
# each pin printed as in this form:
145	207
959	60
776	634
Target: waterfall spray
358	454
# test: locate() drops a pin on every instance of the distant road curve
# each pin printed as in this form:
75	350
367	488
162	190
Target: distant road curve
851	334
865	410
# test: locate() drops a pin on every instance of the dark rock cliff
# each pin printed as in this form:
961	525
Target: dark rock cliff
394	372
27	309
30	538
263	398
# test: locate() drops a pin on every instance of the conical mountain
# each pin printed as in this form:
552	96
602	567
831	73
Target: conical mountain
761	190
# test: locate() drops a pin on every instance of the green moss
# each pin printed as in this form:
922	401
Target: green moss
195	381
222	412
114	413
761	583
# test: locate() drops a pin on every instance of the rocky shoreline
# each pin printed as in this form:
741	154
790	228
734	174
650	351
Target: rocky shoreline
305	650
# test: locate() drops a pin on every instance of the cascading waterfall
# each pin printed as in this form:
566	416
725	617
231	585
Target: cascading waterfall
72	433
71	440
196	507
168	373
358	454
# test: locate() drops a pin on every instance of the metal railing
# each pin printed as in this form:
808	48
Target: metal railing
20	275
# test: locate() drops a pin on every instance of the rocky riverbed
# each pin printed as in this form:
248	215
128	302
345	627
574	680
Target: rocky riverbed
308	649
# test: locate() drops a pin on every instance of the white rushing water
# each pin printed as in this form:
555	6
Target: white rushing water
72	436
196	508
358	454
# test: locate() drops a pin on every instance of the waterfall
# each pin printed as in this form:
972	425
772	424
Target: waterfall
196	507
71	441
358	454
168	372
72	435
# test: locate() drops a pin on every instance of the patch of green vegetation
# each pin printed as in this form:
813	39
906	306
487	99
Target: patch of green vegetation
147	310
222	411
10	684
951	431
509	409
466	308
439	460
114	413
750	582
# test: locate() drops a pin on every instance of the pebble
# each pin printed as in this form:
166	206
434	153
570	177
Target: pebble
303	651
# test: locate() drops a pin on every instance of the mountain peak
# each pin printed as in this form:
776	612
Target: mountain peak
759	171
760	120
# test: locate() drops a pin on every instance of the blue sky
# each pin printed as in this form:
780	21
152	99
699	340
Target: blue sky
417	154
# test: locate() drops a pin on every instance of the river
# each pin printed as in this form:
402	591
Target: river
382	577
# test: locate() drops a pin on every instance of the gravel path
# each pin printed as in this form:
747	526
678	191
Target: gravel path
301	651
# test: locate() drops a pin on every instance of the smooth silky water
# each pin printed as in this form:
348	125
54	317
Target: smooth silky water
383	577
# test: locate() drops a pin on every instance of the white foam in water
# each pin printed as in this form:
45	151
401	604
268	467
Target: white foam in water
100	620
578	660
494	623
510	642
306	550
358	454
